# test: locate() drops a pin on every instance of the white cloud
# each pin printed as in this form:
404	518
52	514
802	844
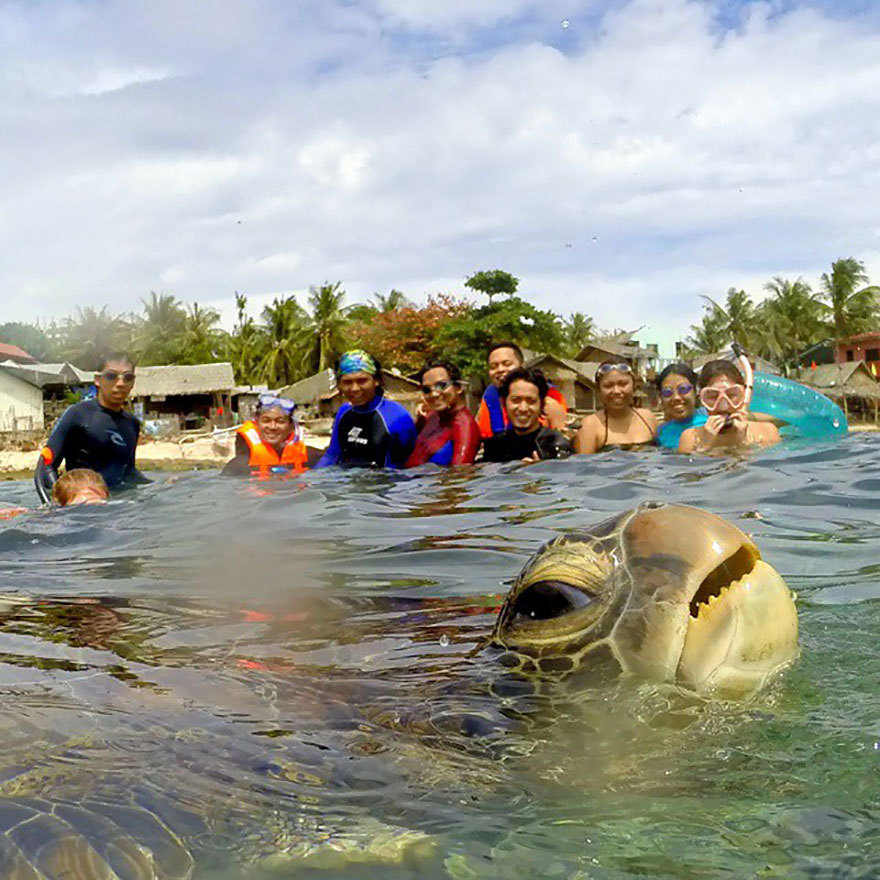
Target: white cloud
272	146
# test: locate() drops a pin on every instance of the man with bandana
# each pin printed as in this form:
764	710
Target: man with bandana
369	430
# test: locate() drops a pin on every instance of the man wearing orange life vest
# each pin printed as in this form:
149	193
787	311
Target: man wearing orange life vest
271	443
492	415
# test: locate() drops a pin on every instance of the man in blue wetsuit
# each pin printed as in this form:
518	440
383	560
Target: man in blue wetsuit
369	430
97	434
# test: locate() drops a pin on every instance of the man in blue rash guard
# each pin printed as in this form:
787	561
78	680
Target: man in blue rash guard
369	430
96	434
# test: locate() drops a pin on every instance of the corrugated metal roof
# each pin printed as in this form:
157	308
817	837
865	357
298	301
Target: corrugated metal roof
182	379
14	353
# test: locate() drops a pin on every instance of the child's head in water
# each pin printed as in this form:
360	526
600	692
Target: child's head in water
80	486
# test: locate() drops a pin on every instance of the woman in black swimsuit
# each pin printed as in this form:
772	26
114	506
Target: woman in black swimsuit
619	425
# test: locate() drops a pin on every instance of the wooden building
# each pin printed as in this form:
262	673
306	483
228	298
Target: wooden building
575	379
863	347
851	385
191	393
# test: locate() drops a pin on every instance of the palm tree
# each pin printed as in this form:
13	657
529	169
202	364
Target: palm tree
322	338
788	321
737	315
391	303
712	333
91	335
246	346
579	329
201	341
284	321
851	311
159	332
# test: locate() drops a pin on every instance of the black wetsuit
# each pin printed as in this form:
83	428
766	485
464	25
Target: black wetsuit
511	446
89	435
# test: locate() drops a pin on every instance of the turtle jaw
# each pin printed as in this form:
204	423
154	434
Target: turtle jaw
740	634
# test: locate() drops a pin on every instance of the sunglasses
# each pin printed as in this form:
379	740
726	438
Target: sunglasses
681	390
602	369
735	395
270	401
437	386
113	376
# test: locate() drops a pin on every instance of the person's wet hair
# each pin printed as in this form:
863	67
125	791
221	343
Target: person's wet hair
522	374
115	357
506	344
74	481
713	369
677	369
451	369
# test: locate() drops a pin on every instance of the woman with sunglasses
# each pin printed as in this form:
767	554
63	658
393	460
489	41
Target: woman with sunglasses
723	393
96	434
677	385
620	424
271	443
448	433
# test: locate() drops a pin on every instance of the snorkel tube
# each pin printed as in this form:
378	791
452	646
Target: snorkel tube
808	414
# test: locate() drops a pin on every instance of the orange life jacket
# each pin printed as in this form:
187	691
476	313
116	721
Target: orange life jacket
263	457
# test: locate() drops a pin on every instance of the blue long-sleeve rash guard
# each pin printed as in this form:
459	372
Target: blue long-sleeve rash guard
379	434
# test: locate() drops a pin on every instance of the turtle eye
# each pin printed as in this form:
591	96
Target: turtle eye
546	600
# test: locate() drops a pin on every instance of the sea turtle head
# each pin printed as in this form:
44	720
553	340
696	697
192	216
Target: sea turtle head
668	593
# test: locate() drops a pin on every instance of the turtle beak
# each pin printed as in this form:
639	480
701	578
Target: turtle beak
731	614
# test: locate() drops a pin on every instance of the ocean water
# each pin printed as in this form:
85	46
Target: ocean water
219	678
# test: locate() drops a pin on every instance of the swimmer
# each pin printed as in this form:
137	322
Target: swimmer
677	385
448	433
620	424
369	430
491	415
723	393
271	443
524	393
80	486
97	434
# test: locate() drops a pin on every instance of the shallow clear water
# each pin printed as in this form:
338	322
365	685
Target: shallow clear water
238	673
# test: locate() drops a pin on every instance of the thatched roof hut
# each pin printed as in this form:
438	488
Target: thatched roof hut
851	384
191	392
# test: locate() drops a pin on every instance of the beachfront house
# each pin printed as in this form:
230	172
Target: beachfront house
184	396
21	403
575	379
851	385
863	347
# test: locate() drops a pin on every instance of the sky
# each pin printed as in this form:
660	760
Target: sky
621	157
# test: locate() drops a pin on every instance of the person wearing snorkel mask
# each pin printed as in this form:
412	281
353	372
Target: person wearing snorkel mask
723	394
620	424
369	430
271	443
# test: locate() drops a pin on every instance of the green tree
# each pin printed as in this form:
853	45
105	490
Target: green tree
788	321
467	338
92	333
578	330
711	334
202	341
281	361
493	282
30	338
158	335
850	303
247	344
322	338
737	316
394	300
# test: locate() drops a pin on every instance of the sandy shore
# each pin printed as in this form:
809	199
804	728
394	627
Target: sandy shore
156	455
